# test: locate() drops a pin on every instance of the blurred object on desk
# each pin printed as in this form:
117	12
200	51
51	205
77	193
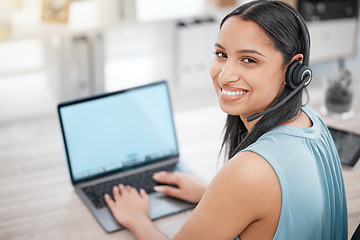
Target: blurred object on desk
333	27
339	93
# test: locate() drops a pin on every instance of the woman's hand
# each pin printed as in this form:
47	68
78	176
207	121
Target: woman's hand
189	187
129	207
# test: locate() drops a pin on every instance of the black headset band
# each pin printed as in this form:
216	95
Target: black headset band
305	36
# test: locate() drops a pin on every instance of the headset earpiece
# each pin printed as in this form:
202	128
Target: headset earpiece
296	73
289	78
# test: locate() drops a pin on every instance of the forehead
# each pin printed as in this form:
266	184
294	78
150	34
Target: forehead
236	32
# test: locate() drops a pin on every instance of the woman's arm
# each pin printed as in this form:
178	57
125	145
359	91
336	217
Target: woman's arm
243	199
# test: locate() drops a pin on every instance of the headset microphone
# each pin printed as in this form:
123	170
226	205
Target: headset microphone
257	115
298	74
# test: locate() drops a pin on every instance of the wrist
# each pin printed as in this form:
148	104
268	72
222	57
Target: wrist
137	222
142	227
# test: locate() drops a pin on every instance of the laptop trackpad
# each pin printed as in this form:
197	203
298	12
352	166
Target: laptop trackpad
162	205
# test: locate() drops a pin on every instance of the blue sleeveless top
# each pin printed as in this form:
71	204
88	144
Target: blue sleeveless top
308	167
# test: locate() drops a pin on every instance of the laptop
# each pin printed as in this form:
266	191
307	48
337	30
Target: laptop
121	137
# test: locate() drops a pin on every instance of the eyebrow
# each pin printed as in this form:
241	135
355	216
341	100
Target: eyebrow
241	51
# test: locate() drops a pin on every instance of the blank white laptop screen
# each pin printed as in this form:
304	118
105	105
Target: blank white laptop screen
119	130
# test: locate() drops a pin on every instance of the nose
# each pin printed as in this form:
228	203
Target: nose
229	73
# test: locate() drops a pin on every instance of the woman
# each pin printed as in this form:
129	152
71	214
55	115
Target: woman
283	179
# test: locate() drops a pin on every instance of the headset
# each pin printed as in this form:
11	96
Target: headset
298	74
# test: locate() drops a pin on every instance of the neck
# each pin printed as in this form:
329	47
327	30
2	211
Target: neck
249	125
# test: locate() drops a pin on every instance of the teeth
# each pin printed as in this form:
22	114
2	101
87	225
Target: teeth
229	93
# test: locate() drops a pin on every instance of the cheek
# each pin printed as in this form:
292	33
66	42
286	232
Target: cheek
278	82
271	86
215	69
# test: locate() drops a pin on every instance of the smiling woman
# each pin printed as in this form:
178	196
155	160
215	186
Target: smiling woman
273	43
246	61
284	178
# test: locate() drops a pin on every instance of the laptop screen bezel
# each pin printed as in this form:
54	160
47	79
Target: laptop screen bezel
104	95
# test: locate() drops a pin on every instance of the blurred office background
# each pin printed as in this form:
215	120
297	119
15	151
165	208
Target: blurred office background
56	50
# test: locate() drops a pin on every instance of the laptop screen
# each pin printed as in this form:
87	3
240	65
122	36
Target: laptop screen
118	130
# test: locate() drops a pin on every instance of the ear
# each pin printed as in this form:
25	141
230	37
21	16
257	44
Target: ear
297	57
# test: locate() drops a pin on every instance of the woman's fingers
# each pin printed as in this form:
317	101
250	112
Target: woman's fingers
189	187
128	203
167	177
144	195
116	193
168	190
109	201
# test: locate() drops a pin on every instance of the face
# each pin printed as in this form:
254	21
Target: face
247	70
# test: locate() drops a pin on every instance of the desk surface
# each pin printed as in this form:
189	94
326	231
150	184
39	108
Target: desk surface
37	200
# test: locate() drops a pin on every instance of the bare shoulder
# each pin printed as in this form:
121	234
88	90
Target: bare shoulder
255	180
244	198
250	165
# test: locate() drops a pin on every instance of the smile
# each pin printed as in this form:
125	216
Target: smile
230	93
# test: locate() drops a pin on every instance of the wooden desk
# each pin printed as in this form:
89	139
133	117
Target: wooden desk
37	200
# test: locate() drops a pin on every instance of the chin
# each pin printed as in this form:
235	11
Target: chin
226	108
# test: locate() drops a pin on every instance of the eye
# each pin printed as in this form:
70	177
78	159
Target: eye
220	54
249	60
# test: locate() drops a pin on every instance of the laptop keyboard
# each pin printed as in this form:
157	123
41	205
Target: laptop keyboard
140	180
